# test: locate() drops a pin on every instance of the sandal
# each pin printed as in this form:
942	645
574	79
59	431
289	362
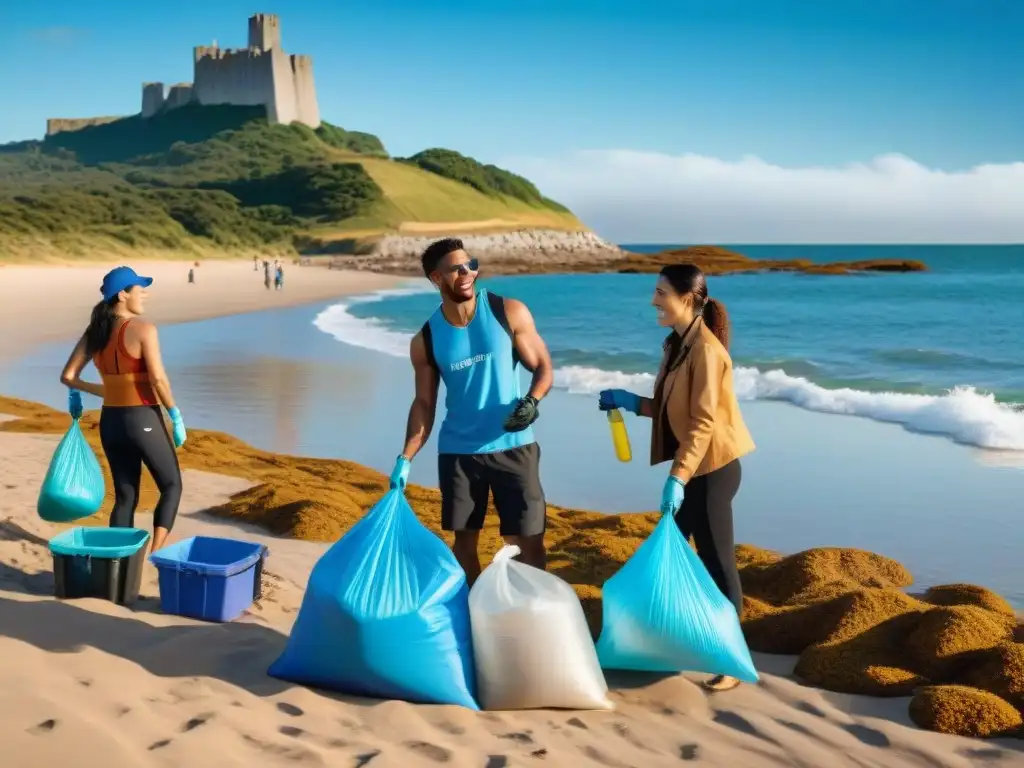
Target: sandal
720	683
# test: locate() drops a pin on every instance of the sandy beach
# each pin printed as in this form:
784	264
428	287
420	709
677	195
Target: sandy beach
58	298
108	686
93	684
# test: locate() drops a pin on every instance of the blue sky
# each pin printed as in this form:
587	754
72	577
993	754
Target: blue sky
673	121
794	82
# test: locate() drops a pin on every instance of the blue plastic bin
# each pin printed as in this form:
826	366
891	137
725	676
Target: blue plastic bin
99	562
209	578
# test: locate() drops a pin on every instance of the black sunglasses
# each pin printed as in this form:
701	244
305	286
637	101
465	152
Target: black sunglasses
473	265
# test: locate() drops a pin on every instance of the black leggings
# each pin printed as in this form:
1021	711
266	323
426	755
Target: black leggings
706	514
133	435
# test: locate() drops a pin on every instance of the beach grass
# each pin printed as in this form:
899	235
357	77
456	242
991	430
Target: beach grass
956	649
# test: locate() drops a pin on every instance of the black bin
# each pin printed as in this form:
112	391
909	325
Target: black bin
99	562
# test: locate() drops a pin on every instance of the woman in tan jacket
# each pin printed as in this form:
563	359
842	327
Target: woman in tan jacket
697	424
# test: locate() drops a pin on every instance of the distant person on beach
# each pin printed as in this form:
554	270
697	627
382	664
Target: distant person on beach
191	275
255	264
126	352
266	274
697	424
279	278
474	342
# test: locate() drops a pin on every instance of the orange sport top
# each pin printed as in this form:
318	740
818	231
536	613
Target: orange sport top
125	378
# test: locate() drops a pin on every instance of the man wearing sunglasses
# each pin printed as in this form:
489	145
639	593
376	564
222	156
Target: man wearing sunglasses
474	343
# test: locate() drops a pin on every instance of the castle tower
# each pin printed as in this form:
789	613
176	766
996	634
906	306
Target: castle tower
264	32
178	95
152	98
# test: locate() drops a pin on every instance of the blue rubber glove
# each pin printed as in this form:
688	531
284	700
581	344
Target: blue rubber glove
177	426
672	495
75	403
618	398
400	474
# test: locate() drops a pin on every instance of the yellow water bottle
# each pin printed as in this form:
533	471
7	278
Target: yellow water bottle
620	438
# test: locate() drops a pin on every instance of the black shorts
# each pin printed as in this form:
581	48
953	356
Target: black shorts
513	476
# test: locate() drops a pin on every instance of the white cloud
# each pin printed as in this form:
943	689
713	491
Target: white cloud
629	196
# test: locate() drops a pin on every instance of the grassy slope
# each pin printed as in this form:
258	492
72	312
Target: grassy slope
417	201
50	191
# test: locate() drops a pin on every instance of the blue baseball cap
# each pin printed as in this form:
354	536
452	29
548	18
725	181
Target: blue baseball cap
121	279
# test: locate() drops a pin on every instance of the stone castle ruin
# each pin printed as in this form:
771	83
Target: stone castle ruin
261	74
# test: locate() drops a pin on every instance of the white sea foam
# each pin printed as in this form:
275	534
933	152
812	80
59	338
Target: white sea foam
962	414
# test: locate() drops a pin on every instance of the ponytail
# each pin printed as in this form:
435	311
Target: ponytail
716	318
101	325
687	279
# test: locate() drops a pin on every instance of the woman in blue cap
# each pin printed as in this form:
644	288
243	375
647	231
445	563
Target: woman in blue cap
126	352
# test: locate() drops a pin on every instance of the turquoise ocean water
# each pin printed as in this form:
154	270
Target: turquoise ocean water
938	352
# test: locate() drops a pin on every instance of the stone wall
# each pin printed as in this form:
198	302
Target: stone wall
243	77
152	98
284	107
179	95
264	31
307	106
61	124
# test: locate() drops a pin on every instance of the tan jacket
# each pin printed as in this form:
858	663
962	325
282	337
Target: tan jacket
702	410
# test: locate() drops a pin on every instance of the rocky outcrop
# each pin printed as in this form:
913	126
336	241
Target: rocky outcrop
520	251
533	251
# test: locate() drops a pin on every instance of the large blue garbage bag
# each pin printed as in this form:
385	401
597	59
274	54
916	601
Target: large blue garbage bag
73	487
663	613
385	615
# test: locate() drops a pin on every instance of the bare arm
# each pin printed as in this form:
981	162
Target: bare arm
424	404
646	407
531	347
73	368
155	364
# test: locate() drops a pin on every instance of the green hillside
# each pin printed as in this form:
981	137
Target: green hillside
223	178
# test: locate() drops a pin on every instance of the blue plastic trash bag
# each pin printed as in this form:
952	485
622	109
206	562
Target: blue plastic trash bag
385	615
663	613
73	487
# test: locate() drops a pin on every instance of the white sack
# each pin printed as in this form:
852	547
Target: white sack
531	642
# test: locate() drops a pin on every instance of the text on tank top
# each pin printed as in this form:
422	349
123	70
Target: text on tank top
479	367
125	378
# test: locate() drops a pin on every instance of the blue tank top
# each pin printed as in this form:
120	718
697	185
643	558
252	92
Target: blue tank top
481	377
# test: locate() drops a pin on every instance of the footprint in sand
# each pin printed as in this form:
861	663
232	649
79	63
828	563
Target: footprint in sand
739	723
689	751
289	709
44	727
600	757
497	761
450	728
865	735
293	754
430	751
158	744
195	722
365	758
520	737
